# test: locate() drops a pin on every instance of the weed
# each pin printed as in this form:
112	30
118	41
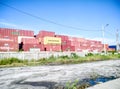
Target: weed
89	54
73	59
10	61
74	55
70	85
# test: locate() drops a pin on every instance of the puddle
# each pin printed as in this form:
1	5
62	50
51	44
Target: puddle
95	81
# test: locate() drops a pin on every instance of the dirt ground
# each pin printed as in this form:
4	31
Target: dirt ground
48	77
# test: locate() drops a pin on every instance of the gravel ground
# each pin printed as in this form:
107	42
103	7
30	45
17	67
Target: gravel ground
49	77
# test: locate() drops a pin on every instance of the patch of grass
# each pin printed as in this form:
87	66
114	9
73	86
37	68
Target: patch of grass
74	56
10	61
75	85
72	59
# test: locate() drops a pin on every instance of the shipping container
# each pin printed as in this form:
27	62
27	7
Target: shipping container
17	32
49	41
52	47
27	47
43	33
52	40
67	48
63	37
30	41
8	46
20	38
6	38
112	47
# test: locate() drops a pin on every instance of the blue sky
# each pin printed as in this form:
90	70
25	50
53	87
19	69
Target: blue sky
81	18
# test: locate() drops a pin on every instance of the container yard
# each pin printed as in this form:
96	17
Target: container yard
18	39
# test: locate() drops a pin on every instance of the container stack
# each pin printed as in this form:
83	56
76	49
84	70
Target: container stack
65	43
30	43
16	32
48	41
8	43
9	38
16	39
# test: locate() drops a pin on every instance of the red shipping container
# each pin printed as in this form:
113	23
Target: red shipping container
10	32
52	47
7	31
46	33
41	40
8	46
66	47
30	41
68	42
63	37
6	38
26	47
56	48
26	33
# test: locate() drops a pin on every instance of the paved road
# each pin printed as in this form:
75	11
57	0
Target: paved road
114	84
48	77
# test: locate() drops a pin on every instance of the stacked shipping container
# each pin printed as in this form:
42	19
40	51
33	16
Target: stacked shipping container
46	41
43	34
9	38
8	41
17	32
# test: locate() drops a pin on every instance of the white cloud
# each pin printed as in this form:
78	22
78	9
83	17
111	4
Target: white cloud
8	24
11	25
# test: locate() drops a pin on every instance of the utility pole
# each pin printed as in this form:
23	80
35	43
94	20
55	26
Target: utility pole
103	31
117	41
103	39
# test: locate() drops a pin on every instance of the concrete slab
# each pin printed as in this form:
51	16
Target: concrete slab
113	84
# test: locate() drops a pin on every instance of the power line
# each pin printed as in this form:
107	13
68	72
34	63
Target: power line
49	21
109	33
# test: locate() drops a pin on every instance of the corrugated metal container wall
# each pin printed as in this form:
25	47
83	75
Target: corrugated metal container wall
27	47
6	31
41	40
18	32
63	37
8	46
52	47
5	38
30	41
26	33
20	38
46	33
65	48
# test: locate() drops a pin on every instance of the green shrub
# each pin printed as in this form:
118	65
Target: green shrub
73	85
51	58
89	54
64	57
10	61
118	55
74	55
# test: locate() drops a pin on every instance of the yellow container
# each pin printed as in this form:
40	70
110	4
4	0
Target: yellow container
52	40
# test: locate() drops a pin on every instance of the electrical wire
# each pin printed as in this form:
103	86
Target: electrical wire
49	21
109	33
